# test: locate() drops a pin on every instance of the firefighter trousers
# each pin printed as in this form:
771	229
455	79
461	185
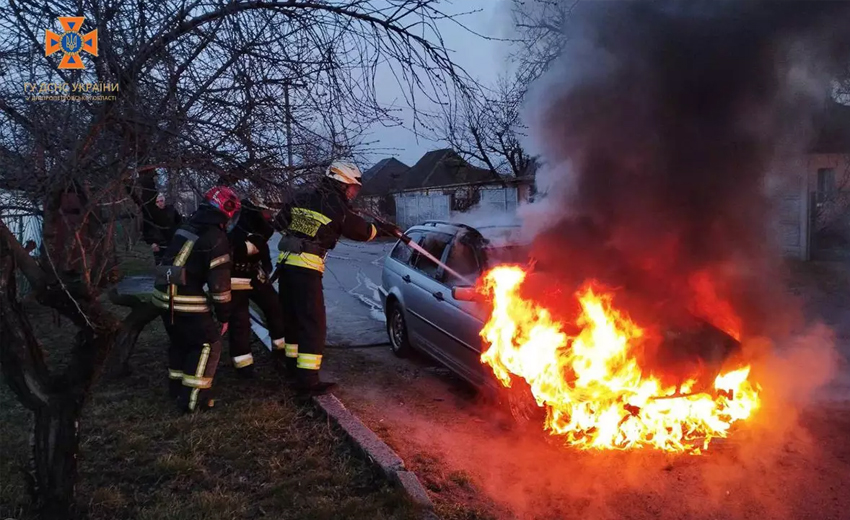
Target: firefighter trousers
239	329
305	323
192	358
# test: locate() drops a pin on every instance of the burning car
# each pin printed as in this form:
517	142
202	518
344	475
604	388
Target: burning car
584	371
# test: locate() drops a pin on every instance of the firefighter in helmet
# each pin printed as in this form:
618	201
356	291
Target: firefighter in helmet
250	281
311	223
199	253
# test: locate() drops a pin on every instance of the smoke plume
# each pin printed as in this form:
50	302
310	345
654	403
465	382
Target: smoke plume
665	127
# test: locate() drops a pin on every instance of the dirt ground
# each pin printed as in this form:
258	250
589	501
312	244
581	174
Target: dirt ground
791	462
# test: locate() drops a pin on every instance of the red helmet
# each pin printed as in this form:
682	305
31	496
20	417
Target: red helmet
223	199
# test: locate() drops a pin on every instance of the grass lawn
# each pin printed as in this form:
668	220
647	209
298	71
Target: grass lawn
258	454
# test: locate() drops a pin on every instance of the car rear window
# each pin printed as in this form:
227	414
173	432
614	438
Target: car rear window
434	243
402	252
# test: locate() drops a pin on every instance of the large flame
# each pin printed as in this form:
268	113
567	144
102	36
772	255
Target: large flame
595	393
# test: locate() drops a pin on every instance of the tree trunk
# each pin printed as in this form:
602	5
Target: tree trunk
56	440
118	363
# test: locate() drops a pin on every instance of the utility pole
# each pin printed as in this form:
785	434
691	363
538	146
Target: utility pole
288	112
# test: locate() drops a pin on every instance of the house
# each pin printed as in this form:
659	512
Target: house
813	210
379	182
828	184
442	184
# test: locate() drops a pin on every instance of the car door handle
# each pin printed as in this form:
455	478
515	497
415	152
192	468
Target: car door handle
406	278
438	295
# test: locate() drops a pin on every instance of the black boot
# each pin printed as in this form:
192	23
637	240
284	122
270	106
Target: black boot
245	372
308	382
174	386
285	366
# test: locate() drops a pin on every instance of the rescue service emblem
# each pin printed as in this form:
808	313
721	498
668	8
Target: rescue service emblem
71	42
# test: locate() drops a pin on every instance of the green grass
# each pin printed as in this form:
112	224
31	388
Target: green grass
136	260
258	453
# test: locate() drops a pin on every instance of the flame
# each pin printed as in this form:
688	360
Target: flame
595	394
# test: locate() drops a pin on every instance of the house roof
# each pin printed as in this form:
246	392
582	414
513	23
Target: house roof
443	168
833	134
384	177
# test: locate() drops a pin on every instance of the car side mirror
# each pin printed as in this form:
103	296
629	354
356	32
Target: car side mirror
465	293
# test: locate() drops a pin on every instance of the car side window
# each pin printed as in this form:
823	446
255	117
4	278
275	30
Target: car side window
462	259
434	243
402	252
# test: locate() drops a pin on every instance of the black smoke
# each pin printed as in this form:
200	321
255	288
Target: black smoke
666	124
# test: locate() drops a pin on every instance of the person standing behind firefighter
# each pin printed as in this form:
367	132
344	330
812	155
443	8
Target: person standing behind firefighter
161	220
250	282
311	224
198	254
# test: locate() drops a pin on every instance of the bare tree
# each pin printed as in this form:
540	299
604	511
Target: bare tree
542	30
200	94
487	128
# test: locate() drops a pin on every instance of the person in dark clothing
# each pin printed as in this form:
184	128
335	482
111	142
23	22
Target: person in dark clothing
160	223
311	224
198	254
250	282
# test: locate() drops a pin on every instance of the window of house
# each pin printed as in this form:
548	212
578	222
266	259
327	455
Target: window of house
826	180
402	252
435	244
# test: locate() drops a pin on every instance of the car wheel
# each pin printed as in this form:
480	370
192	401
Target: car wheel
397	330
527	414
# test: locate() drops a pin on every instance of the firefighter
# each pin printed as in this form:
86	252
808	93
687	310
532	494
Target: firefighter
198	254
250	282
310	224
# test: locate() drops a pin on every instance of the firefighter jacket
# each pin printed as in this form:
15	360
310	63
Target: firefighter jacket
198	254
249	242
312	223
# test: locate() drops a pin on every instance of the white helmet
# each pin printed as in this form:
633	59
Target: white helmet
344	172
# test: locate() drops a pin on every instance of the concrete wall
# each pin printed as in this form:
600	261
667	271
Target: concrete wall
415	207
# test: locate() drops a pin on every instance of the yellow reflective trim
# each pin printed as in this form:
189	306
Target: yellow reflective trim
175	374
307	221
308	260
180	308
309	361
315	215
197	382
202	361
240	284
243	361
373	232
221	297
223	259
292	350
179	298
183	255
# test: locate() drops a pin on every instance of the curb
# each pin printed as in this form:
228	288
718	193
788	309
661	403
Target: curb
377	452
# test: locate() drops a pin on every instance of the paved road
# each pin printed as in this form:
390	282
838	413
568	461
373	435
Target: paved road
353	305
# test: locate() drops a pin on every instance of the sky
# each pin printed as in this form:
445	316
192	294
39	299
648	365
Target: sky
482	59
